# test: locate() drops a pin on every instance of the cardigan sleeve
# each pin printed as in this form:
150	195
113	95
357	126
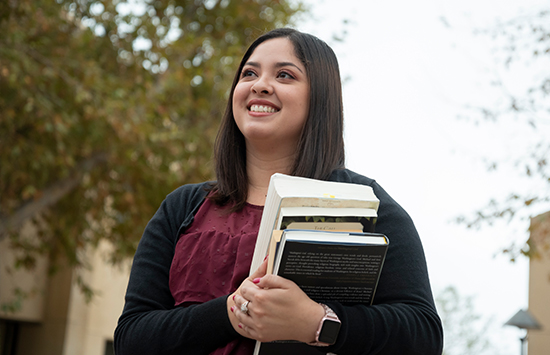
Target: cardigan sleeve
403	318
149	323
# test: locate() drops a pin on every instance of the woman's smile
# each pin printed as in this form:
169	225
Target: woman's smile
261	106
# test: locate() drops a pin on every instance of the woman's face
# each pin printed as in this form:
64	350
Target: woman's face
271	99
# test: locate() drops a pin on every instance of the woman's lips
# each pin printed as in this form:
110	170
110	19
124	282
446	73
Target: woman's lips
262	109
262	106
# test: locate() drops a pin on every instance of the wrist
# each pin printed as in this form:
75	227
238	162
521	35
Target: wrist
316	316
328	328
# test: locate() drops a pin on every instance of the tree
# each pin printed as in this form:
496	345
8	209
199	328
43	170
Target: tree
465	331
522	83
106	106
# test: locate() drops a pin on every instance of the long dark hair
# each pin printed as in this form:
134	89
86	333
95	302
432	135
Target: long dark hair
321	146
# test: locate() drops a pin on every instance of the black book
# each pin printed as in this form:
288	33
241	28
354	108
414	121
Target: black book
328	266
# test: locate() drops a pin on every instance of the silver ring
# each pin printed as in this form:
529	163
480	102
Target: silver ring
244	307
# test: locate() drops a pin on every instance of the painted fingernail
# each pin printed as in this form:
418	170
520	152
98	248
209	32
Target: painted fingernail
240	326
234	297
266	257
256	280
232	308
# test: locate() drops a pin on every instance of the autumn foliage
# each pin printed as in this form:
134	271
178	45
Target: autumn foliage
107	106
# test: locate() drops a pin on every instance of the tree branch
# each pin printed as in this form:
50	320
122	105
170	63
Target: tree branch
50	196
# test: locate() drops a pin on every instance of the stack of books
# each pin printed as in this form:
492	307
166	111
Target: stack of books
321	235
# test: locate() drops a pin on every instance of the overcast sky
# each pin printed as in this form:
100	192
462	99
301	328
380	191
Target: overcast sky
411	69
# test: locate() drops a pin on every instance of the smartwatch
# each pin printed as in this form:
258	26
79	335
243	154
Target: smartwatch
328	330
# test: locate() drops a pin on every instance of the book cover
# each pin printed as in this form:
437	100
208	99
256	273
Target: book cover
332	266
327	266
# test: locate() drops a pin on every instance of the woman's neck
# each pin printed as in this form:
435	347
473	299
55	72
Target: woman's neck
259	170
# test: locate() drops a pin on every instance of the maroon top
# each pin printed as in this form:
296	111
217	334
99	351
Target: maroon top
213	257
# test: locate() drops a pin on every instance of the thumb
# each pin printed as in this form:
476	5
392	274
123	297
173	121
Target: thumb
271	281
260	271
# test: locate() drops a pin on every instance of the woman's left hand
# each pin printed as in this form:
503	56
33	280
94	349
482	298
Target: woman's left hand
277	310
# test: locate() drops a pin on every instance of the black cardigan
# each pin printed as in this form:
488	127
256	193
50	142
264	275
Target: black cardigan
402	319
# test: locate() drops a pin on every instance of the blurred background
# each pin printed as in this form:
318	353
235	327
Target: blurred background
107	106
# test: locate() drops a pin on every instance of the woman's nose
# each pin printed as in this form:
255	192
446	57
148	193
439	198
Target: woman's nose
262	86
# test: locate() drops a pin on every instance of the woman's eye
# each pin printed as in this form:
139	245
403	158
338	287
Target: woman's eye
285	75
247	73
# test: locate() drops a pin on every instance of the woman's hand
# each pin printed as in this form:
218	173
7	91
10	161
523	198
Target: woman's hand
231	306
277	310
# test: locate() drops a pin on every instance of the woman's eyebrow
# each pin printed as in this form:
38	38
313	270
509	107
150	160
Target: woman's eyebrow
277	65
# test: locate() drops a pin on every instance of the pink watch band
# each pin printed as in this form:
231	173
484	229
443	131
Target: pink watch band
330	316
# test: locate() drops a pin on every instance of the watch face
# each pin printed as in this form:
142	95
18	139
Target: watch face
329	331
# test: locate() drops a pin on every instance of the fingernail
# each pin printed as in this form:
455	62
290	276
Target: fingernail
240	326
256	280
232	308
266	257
234	297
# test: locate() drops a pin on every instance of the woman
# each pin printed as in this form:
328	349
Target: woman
189	290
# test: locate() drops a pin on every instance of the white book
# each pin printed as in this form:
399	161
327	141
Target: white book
286	191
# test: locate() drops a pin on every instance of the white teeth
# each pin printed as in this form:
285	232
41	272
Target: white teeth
260	108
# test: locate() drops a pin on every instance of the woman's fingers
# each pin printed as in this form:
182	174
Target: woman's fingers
281	310
273	308
260	271
243	308
273	281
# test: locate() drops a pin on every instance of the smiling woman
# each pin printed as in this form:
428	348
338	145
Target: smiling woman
270	101
190	291
320	146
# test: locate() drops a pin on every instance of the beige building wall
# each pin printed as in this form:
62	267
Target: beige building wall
539	285
47	337
60	321
91	325
18	283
